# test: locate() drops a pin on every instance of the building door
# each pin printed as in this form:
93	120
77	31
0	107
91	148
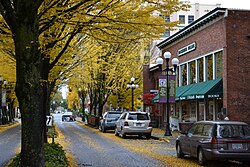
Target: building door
201	113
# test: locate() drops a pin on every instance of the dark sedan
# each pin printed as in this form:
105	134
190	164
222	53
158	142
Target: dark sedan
215	140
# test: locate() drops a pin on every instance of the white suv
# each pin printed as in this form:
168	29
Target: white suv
134	123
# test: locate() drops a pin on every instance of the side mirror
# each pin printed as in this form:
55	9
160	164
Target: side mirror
101	117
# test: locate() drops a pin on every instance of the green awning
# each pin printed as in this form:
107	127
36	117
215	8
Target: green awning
181	90
201	90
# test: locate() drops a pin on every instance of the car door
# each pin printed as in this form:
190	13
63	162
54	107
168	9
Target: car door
120	121
195	140
186	140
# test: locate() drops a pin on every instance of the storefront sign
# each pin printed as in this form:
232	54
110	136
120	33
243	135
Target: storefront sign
187	49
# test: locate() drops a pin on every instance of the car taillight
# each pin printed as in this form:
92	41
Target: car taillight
214	140
126	123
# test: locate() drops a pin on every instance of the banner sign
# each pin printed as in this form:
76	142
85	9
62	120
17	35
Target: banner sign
163	88
172	88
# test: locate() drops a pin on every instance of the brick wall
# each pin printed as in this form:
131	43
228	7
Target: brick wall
238	66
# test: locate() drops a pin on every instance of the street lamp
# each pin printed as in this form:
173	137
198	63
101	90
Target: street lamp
132	86
175	62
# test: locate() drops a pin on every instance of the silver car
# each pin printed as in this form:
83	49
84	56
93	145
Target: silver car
108	120
215	140
134	123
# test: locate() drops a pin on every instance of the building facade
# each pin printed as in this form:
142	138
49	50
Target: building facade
213	74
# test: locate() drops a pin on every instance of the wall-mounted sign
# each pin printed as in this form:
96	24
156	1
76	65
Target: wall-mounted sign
187	49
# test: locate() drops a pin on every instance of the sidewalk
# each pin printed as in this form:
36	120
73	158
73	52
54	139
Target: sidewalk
158	133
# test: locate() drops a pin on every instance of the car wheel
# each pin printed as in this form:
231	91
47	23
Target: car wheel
100	128
123	135
201	157
116	132
179	151
148	136
103	129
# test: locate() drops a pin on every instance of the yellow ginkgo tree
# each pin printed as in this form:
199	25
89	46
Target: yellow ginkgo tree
44	32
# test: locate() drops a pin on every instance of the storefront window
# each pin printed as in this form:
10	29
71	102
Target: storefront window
184	74
200	70
192	72
210	112
201	111
209	65
192	112
218	60
185	113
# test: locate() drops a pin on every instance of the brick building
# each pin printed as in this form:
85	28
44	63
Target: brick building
213	74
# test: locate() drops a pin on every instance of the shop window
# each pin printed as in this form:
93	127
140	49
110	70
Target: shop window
200	70
201	111
185	113
210	112
192	72
182	19
209	67
184	75
218	66
193	112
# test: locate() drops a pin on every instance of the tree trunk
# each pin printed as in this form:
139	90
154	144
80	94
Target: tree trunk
29	88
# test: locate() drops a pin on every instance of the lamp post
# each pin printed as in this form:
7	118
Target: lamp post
175	62
132	86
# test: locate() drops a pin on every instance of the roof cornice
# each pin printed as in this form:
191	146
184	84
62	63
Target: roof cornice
193	26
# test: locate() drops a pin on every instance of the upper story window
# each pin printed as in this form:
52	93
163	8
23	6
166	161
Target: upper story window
209	67
183	74
167	18
182	19
192	75
190	19
200	70
218	65
166	33
203	69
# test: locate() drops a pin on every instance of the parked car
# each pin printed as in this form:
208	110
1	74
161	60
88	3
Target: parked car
215	140
134	123
108	120
68	116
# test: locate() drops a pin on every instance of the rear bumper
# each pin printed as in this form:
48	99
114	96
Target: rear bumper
137	131
211	154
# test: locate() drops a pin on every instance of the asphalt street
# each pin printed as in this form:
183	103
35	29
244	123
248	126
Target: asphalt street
92	149
9	142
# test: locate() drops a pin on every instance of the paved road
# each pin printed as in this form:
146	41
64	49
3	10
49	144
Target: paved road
9	142
92	149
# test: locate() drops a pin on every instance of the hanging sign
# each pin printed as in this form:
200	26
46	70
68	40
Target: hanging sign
162	89
172	88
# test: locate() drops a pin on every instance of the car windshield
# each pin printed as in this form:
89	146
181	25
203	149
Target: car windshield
138	116
114	115
233	131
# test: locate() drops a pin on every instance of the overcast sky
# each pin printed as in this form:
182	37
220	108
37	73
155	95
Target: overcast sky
238	4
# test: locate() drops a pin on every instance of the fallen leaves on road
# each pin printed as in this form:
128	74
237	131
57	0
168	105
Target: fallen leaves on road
150	150
8	126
